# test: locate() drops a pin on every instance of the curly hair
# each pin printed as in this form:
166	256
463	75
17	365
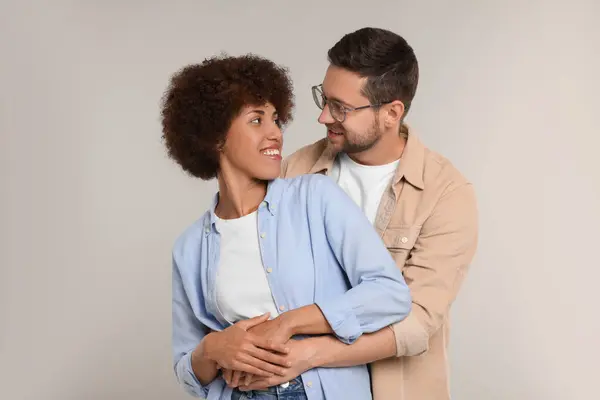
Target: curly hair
203	99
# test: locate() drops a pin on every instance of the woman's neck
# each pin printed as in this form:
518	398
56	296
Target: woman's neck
239	196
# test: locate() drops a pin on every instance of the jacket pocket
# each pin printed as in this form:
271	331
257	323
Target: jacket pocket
400	241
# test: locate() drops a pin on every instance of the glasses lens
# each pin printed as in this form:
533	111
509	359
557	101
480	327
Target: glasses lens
318	97
336	110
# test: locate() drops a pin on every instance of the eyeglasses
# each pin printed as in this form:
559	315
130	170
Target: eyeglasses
336	109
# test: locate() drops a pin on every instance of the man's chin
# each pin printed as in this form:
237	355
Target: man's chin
336	141
336	147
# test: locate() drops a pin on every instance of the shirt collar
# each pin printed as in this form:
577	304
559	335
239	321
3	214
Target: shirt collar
411	161
271	202
325	160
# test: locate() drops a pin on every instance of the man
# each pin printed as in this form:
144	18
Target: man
423	208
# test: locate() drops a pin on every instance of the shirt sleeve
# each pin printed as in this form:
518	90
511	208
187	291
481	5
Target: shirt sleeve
187	333
436	268
379	295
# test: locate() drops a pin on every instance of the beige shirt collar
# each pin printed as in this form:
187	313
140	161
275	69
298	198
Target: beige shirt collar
410	167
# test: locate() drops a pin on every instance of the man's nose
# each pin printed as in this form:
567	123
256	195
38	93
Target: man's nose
325	116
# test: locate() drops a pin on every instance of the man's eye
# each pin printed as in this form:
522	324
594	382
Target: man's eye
255	121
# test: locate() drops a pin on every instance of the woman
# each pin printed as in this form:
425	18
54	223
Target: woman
271	259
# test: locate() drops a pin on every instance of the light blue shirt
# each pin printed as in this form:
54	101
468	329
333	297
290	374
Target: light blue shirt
320	249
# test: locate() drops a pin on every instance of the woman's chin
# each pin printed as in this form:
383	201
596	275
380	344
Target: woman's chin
268	174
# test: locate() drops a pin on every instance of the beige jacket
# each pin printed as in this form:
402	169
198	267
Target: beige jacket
428	221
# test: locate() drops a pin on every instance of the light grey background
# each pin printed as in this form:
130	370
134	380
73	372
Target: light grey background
90	205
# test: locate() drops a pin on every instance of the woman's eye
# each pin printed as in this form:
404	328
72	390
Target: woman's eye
255	121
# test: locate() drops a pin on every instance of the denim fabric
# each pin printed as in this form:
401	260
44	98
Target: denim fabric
295	391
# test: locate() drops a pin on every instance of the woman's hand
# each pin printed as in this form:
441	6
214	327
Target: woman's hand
301	356
275	331
235	348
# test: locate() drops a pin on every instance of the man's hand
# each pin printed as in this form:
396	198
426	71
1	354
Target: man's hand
276	332
301	357
307	320
237	349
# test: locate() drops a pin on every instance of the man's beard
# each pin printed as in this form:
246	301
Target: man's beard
363	143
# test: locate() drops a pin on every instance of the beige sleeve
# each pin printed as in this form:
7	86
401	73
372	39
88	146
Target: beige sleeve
436	268
284	167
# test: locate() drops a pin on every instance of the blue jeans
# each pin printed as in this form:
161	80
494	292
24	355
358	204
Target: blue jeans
295	391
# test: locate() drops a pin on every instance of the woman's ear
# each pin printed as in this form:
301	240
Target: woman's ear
221	145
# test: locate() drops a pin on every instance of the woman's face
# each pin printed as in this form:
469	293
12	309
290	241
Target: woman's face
253	144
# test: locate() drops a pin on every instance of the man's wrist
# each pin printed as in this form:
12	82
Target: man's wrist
317	356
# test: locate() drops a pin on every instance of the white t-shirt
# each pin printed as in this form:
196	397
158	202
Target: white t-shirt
364	184
242	288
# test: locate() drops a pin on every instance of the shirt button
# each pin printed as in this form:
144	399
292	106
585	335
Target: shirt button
404	239
262	235
269	270
207	229
281	308
309	384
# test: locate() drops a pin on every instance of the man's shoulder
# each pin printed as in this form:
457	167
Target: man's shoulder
440	173
303	159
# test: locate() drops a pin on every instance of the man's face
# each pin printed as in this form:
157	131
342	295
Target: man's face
360	130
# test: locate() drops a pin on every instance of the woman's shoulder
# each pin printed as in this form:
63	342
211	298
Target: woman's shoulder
306	188
308	181
192	235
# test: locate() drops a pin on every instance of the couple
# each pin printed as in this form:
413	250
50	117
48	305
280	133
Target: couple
288	287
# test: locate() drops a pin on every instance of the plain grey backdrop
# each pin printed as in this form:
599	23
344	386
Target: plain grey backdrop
90	205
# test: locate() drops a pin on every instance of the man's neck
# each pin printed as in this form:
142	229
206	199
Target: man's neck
239	196
388	149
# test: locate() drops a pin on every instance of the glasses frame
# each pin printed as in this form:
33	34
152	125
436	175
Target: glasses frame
317	91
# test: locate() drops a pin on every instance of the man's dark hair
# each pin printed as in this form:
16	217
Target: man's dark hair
384	58
203	99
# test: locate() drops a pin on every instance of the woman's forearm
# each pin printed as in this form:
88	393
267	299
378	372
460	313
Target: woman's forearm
330	352
205	369
307	320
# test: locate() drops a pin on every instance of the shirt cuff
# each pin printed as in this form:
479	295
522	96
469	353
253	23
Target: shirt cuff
188	380
411	337
342	319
